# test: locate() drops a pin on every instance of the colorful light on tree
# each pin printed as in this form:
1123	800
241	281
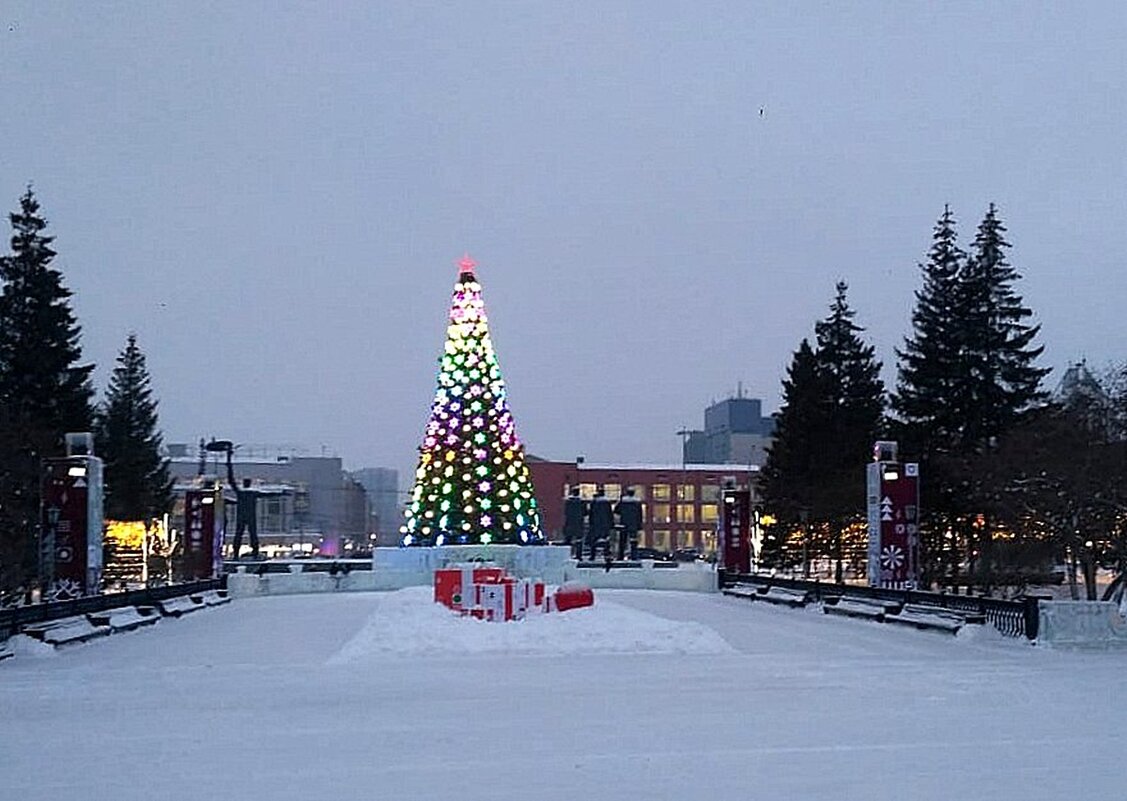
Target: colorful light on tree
472	485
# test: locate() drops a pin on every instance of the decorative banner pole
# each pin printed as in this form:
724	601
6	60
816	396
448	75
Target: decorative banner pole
472	484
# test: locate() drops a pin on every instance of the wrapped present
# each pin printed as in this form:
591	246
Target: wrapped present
453	585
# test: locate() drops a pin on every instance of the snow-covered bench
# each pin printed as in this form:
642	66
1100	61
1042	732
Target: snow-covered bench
65	630
935	618
124	618
869	609
212	598
179	606
749	591
784	597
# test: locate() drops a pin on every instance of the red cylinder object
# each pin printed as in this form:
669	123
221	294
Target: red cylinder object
573	596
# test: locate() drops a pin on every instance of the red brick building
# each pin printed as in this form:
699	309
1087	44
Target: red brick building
680	503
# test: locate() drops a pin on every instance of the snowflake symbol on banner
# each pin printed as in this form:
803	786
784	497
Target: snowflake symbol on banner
892	557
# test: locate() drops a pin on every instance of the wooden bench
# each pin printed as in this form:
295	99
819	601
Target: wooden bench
866	608
124	618
65	630
749	591
935	618
179	606
212	598
784	597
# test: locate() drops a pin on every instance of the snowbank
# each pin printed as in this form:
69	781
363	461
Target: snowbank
409	623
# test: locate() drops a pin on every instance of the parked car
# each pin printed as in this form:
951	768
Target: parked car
687	555
652	553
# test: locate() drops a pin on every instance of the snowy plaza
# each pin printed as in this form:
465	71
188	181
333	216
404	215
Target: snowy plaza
645	695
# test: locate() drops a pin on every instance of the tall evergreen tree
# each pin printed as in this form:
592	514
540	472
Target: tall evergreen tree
930	385
788	480
44	390
998	355
138	486
854	409
852	380
967	375
833	407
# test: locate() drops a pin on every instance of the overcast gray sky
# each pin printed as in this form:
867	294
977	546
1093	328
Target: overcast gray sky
273	195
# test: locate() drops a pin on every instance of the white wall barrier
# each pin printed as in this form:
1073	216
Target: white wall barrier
1081	624
395	568
687	576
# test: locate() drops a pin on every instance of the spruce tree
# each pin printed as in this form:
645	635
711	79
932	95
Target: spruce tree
930	387
854	416
852	379
44	390
788	481
138	486
998	355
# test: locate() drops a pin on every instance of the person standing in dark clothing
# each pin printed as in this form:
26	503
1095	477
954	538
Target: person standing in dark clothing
629	511
574	512
600	519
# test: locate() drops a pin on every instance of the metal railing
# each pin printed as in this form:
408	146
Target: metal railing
14	618
1018	618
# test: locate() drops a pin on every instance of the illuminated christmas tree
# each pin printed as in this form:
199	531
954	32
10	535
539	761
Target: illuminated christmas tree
472	485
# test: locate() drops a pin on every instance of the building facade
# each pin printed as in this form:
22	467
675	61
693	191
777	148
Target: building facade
680	503
309	504
384	507
735	432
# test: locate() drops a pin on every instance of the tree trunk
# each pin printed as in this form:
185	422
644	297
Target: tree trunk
1073	590
1089	564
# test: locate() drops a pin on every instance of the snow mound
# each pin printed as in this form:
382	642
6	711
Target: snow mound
410	623
979	633
24	646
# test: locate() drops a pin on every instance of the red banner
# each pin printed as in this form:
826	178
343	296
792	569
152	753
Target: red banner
71	527
203	534
899	526
735	531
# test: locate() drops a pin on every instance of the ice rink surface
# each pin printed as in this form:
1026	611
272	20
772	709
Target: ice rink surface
645	696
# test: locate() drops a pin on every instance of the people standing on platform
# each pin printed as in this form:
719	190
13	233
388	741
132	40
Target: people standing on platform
629	511
574	511
600	518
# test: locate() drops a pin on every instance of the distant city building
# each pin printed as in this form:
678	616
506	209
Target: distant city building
735	432
382	486
309	503
680	503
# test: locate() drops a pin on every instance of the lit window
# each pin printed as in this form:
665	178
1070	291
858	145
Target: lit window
709	513
661	513
586	491
661	492
686	492
708	541
639	491
686	513
613	491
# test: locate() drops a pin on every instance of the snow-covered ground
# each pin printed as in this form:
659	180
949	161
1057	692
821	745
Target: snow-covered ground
645	696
